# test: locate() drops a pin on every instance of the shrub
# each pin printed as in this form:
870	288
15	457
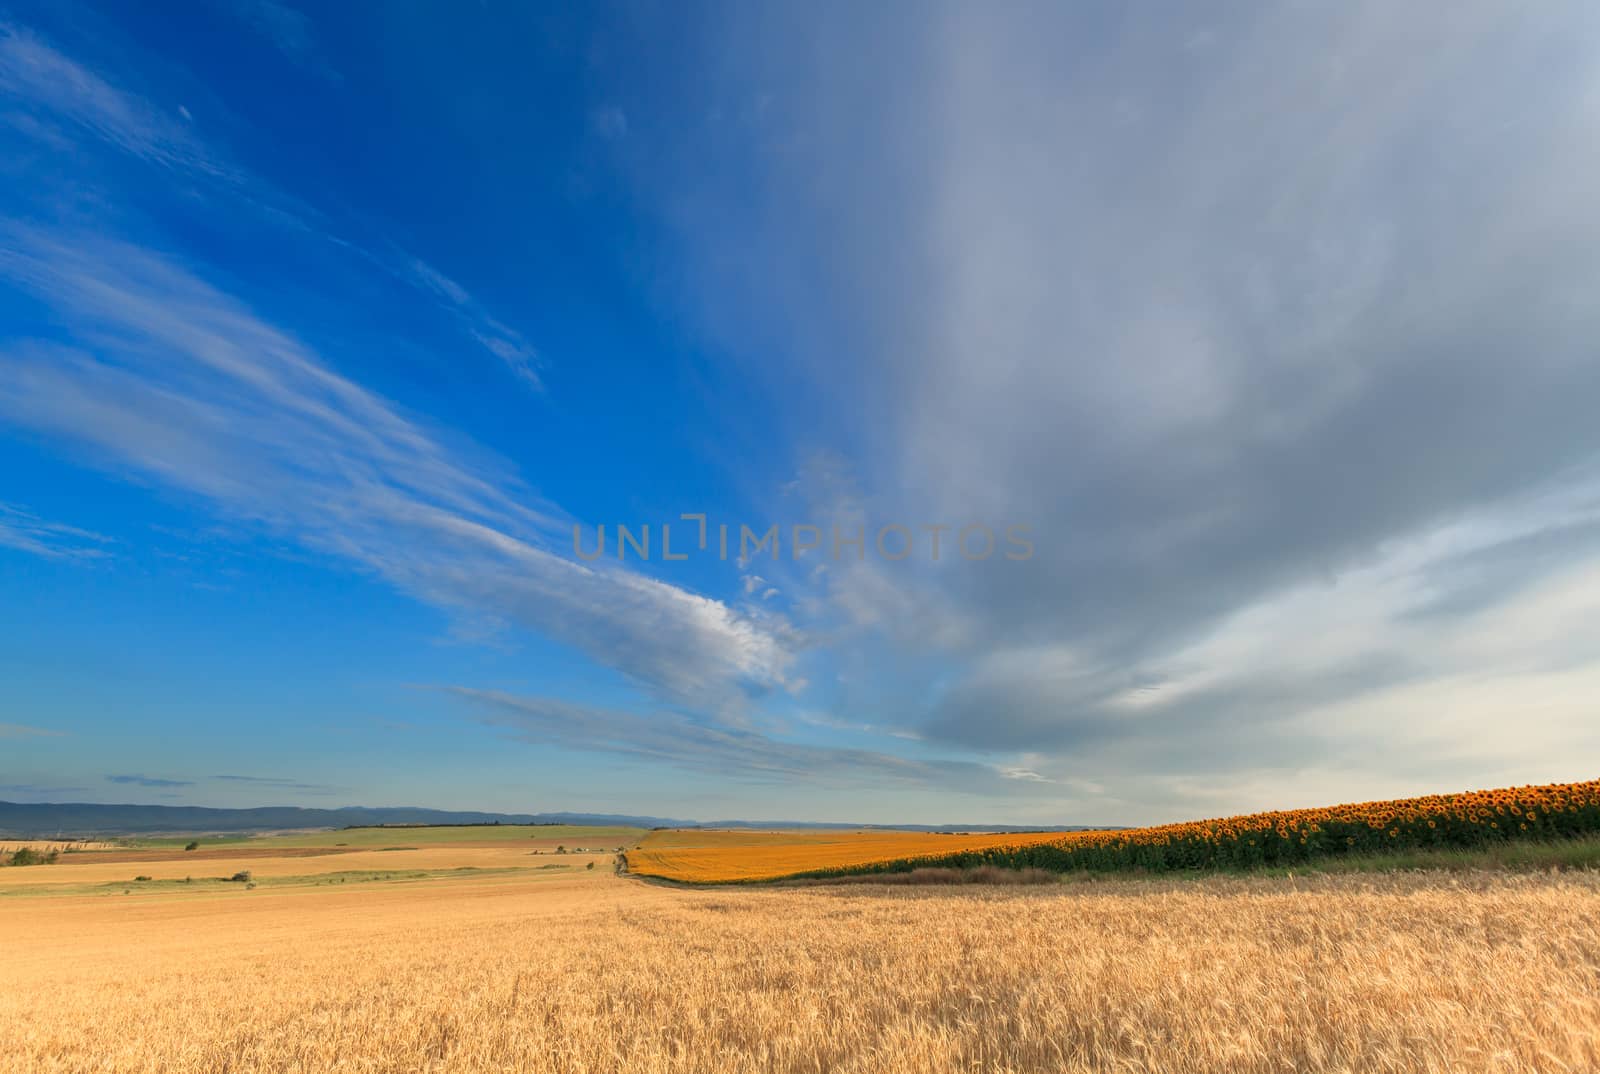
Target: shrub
140	879
589	866
241	877
30	856
193	845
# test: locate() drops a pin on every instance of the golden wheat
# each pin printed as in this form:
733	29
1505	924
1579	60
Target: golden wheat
598	974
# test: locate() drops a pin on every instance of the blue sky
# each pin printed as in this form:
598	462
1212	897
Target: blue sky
1258	341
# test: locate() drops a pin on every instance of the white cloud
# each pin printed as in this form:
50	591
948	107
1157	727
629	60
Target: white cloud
36	76
504	343
54	86
27	532
179	384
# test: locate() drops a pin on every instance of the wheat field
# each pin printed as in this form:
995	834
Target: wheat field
595	973
114	868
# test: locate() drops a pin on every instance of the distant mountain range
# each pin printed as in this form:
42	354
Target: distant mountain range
22	820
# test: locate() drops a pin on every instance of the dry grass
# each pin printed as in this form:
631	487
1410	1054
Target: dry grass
9	846
593	973
716	857
89	868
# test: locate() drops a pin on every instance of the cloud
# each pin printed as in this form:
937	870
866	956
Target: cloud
180	385
149	781
1230	320
818	719
504	343
27	532
610	122
289	30
735	753
57	90
276	783
17	730
1273	325
37	77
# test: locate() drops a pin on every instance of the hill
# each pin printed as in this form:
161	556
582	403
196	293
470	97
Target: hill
39	820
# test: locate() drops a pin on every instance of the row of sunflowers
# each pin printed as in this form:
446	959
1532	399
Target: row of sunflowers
1471	819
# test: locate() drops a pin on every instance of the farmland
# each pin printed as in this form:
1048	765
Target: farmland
579	970
1439	824
144	867
480	949
59	846
736	856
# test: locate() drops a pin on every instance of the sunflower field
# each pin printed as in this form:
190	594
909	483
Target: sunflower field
1471	819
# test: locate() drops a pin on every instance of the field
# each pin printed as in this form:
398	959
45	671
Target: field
586	971
473	950
45	846
1475	822
152	866
693	856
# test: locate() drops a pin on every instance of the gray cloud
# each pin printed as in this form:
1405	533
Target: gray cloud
1224	305
149	781
727	752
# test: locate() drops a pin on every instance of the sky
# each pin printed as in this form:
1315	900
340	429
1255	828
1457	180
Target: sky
1039	413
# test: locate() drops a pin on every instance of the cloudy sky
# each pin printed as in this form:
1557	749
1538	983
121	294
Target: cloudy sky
1190	410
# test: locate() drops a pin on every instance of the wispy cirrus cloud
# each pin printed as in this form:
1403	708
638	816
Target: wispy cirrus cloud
18	730
148	781
177	383
289	29
737	753
55	88
59	98
504	343
279	783
27	532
